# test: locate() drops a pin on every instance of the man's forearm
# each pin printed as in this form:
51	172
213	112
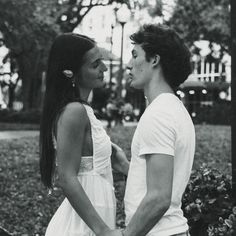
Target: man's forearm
149	212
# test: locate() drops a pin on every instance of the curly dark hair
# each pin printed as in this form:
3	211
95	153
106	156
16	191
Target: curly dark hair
174	55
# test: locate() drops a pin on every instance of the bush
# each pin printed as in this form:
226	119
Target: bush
217	114
224	227
207	201
30	117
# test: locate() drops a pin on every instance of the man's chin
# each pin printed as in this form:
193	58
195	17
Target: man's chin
135	85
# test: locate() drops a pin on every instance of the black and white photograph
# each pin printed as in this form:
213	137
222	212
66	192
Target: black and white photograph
117	118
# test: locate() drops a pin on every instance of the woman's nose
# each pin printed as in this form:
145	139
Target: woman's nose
104	68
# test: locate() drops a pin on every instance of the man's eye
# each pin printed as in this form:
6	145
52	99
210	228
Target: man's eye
134	55
95	65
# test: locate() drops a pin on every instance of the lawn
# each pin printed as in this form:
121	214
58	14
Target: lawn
25	206
17	126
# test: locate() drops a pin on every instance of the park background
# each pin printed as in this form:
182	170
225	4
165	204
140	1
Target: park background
28	28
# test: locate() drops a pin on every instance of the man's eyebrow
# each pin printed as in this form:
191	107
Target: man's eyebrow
97	60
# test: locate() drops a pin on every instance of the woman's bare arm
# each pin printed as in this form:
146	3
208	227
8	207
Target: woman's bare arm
119	160
70	135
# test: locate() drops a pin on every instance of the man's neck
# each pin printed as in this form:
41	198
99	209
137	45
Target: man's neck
155	88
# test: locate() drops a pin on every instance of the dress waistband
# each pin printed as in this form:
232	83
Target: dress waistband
86	164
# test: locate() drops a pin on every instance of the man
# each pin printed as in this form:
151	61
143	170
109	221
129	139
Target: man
164	141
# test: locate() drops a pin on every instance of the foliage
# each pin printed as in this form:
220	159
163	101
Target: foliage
25	206
29	27
26	117
75	11
154	9
195	20
28	23
208	197
224	227
16	126
213	114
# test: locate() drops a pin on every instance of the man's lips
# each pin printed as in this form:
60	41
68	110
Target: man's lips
130	78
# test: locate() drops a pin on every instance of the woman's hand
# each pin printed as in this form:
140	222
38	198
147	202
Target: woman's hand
119	160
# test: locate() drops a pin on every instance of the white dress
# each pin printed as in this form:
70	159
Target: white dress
95	176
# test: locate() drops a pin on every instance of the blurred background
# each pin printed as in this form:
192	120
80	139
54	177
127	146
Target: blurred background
28	27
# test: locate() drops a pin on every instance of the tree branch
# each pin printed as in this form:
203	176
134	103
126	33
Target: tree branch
96	4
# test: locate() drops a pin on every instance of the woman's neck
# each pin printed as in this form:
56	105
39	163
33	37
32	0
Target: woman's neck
84	94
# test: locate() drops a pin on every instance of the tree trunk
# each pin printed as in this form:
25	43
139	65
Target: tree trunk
29	76
25	74
37	81
11	91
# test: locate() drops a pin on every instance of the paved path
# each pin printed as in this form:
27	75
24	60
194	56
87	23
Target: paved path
18	134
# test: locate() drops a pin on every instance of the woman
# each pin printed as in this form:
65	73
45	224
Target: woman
74	146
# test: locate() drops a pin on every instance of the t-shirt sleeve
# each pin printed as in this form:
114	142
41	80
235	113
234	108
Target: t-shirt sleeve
157	134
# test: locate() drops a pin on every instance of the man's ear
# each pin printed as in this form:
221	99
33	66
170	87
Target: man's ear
156	60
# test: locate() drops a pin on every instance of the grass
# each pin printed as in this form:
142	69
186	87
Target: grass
25	206
18	126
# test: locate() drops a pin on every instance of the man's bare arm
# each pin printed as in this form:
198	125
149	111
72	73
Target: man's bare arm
159	174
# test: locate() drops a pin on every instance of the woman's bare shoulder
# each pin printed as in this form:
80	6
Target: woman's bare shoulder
74	113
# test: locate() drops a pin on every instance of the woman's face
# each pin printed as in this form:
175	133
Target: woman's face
92	70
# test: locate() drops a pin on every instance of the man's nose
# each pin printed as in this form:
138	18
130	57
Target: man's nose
129	65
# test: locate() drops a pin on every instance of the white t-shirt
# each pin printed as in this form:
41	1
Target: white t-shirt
165	128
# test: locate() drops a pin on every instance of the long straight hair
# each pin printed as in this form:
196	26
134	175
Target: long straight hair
66	53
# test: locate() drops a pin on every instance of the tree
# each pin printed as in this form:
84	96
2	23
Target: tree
75	11
153	8
29	27
202	19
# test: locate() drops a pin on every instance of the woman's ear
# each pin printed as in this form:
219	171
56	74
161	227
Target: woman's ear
155	60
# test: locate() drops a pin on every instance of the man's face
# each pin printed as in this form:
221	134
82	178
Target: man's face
140	68
92	71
